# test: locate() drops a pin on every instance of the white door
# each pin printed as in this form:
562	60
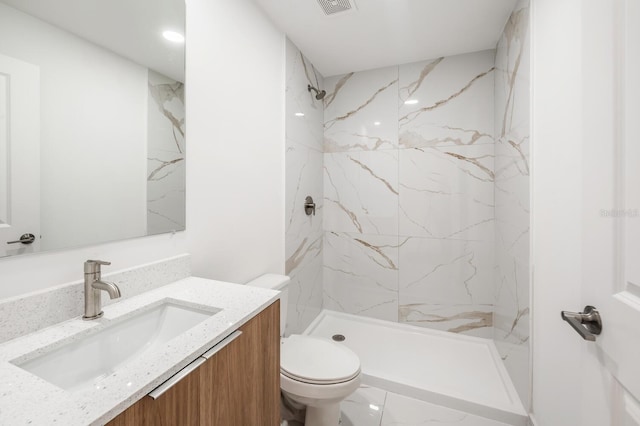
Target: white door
19	154
611	205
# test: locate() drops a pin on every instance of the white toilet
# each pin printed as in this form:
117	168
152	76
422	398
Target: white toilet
316	372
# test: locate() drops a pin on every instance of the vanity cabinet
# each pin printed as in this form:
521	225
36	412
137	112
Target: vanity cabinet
238	385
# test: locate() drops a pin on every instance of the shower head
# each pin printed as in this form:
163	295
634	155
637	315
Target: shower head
320	94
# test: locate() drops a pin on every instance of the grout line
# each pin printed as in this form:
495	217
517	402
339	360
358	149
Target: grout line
384	406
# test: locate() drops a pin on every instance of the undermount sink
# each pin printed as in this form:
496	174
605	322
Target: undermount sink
78	364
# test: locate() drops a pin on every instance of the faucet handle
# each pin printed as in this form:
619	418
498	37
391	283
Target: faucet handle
93	266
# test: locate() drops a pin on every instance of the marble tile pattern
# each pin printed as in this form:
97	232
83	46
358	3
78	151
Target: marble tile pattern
364	407
369	406
27	399
512	212
166	155
361	274
408	193
31	312
303	168
447	281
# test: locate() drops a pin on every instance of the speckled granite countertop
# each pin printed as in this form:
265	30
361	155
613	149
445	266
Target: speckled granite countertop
28	400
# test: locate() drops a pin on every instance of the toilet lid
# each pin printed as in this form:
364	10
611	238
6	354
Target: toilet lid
317	360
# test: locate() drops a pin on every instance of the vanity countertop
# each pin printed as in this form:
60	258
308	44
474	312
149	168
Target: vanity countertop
26	399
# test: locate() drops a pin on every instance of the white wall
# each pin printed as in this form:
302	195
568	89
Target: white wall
235	140
235	172
556	208
27	273
93	125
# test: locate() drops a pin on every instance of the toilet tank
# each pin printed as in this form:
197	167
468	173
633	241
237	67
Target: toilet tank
280	283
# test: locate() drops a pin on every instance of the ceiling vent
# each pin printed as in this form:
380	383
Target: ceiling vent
331	7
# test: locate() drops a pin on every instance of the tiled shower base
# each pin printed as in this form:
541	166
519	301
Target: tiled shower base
450	370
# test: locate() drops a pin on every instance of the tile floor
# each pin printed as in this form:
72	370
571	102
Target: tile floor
370	406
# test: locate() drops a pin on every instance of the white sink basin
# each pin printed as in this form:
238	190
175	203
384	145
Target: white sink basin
79	364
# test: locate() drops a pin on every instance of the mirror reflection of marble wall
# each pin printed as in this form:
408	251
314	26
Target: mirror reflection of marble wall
165	155
112	163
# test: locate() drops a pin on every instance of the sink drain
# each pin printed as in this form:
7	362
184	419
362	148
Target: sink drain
338	337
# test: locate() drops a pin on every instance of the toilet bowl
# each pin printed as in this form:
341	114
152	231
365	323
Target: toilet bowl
314	371
318	373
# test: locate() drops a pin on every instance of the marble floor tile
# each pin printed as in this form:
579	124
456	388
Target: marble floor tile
405	411
363	408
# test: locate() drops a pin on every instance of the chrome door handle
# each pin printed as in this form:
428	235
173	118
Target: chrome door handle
24	239
224	342
173	380
588	324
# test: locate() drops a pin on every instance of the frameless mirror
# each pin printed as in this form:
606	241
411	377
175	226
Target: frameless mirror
92	131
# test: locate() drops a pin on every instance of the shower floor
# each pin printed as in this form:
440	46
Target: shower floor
460	372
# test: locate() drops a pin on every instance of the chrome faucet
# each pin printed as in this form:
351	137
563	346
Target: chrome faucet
93	286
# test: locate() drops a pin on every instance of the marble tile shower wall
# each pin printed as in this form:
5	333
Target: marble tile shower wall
303	164
511	315
408	193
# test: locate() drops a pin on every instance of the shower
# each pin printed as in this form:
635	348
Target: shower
320	94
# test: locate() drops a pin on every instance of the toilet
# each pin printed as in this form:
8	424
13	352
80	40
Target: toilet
316	372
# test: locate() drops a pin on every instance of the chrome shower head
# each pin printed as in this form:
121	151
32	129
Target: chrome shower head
320	94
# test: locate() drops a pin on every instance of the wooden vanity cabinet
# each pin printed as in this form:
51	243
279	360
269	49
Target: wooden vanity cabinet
239	385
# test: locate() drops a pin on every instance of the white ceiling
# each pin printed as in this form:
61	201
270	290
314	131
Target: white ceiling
388	32
131	28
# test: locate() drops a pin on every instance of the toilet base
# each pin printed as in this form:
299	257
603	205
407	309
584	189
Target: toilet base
323	415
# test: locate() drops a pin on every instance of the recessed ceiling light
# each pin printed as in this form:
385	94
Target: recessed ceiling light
299	114
411	101
173	36
376	123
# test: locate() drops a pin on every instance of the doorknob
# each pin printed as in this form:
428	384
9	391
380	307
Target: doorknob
588	324
24	239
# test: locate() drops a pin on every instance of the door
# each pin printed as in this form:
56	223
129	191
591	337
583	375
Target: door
584	188
240	385
611	206
19	154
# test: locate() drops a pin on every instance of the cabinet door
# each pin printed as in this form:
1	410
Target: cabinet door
240	385
178	406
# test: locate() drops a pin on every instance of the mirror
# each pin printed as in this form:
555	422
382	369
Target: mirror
92	130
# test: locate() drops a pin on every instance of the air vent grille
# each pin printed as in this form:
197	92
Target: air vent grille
335	6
